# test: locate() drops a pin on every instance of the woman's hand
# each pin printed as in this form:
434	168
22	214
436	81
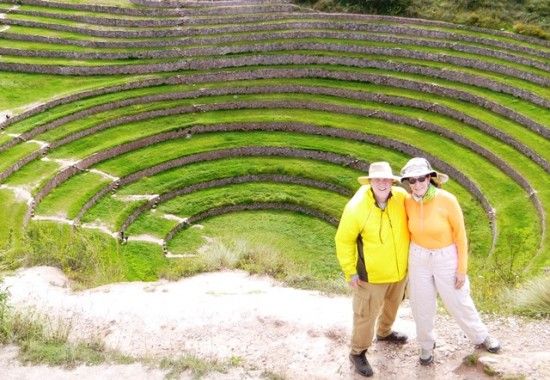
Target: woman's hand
459	280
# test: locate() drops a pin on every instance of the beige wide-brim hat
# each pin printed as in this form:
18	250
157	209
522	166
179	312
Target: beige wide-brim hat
381	170
418	167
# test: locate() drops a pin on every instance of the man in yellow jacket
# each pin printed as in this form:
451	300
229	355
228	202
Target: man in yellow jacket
372	244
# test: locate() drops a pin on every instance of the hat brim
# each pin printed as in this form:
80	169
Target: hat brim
365	180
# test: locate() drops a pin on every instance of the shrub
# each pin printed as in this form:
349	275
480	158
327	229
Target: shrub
87	257
215	255
531	299
530	30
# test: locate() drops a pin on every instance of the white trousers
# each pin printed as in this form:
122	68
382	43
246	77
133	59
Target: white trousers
432	271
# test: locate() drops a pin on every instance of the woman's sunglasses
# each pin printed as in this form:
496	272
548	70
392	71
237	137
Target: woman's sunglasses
413	180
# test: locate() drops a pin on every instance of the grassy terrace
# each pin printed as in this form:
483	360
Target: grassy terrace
134	161
356	37
329	43
529	110
140	130
321	97
308	21
517	131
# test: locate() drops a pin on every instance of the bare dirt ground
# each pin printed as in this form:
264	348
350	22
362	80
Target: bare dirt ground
294	334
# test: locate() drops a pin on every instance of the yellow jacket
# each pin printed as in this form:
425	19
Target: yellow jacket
384	234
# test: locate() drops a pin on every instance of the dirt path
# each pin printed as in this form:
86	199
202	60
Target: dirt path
293	333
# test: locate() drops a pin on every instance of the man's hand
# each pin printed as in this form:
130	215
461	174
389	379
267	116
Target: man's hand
354	281
459	280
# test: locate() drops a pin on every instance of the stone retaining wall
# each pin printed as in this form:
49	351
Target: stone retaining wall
251	206
194	52
343	93
267	151
280	59
308	23
161	12
294	73
290	35
164	12
276	178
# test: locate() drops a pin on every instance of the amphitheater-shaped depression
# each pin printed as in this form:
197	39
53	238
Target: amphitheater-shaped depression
159	127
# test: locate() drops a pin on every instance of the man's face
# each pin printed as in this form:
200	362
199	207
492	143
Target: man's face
381	187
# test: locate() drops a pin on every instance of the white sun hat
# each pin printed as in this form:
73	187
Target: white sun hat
418	167
381	170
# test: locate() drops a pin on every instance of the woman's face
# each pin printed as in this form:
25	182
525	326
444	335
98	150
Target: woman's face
419	185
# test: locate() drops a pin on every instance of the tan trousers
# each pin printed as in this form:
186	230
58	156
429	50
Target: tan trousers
372	302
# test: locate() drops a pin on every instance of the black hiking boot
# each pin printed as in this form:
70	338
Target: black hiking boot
361	364
393	337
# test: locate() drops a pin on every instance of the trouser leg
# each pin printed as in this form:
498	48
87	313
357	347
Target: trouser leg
392	300
367	301
458	302
422	295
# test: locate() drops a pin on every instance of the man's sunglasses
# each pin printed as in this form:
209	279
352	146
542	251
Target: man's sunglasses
413	180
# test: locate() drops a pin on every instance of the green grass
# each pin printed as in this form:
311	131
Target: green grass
280	231
33	175
446	122
337	42
89	257
205	171
527	137
21	89
330	203
170	149
532	298
44	342
197	366
509	214
92	257
9	157
11	215
68	198
514	82
142	261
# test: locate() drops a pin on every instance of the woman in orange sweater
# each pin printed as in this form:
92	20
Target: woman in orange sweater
438	259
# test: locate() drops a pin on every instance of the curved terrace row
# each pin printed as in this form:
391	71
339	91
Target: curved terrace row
164	11
73	170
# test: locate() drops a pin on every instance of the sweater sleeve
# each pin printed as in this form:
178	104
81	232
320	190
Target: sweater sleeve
456	220
346	242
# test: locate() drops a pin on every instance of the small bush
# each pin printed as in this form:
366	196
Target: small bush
197	366
215	255
530	30
87	257
531	299
265	260
179	268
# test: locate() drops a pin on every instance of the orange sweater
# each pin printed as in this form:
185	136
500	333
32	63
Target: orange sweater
439	223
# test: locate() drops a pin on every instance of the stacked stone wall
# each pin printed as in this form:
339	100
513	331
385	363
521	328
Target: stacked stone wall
290	35
194	52
281	59
276	178
289	74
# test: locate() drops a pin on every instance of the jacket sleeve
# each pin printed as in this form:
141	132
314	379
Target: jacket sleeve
346	241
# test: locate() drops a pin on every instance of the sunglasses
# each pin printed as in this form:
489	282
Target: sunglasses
413	180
